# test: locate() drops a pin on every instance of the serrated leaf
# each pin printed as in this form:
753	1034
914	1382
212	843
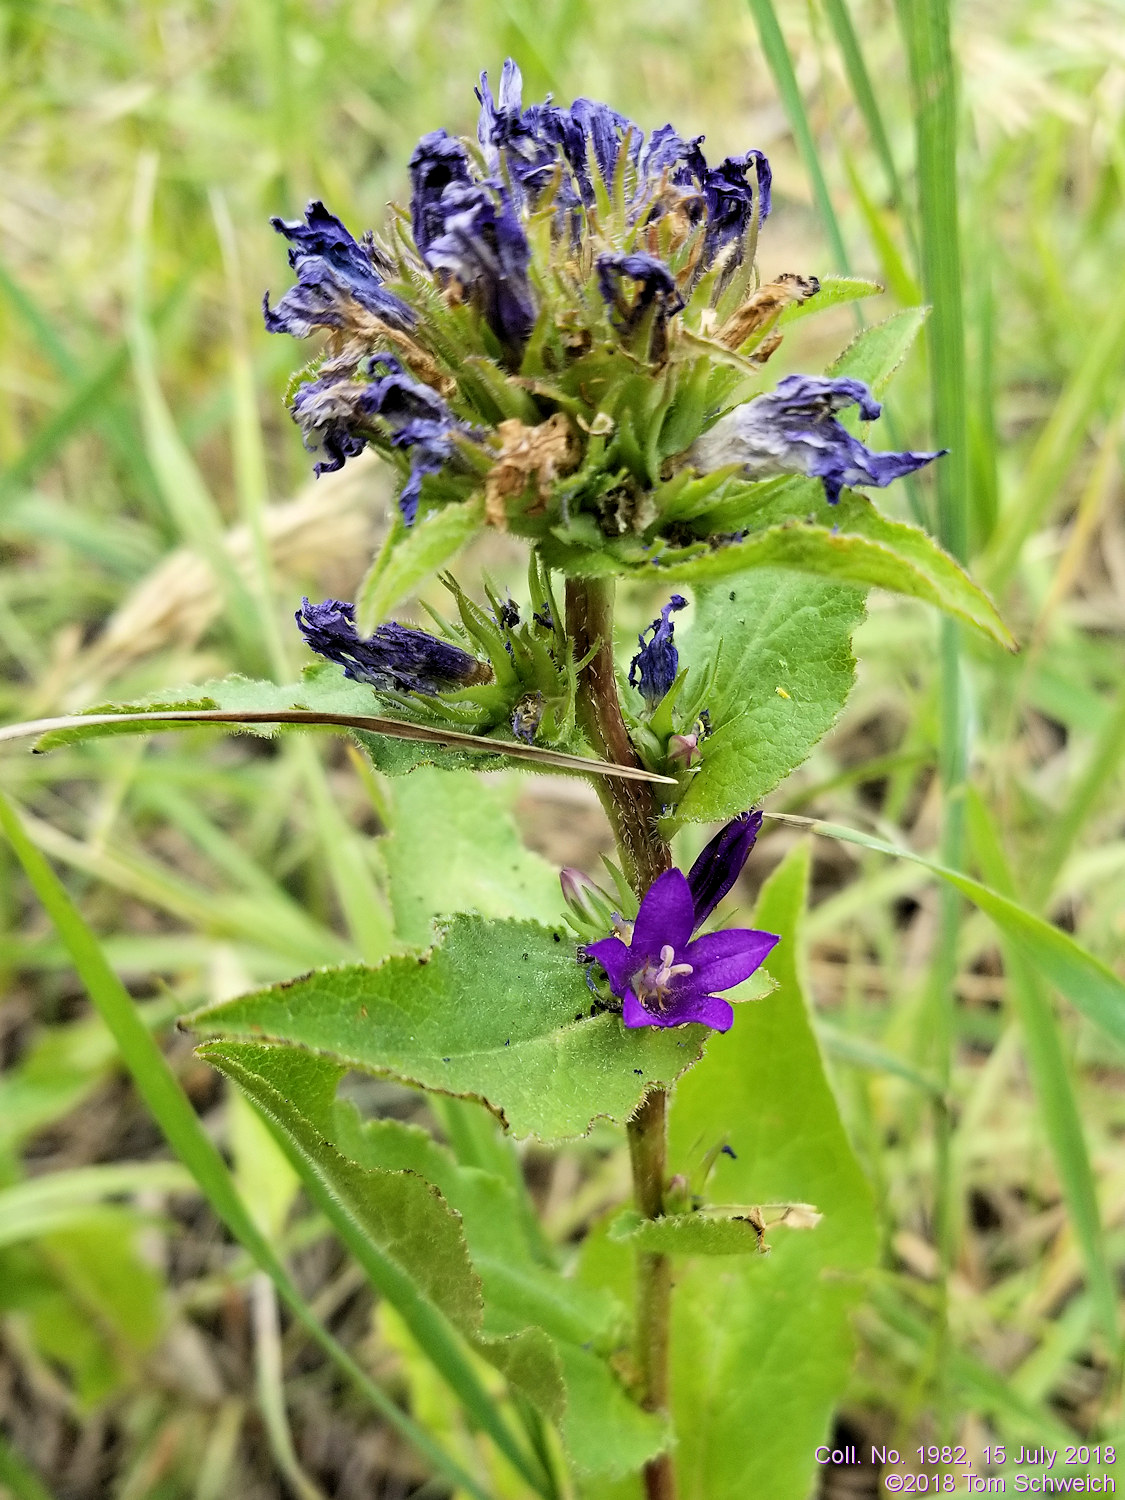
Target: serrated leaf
834	291
604	1431
851	543
542	1327
518	1289
395	1223
498	1011
732	1233
382	1216
765	1346
875	353
763	631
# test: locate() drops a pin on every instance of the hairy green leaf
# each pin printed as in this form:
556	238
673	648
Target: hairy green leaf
743	1331
498	1011
850	543
483	865
395	1223
407	559
875	353
834	291
730	1232
781	649
537	1327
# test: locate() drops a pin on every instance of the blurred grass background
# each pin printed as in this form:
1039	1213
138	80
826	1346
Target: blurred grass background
157	526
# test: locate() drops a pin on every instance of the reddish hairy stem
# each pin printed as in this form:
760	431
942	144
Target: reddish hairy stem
644	854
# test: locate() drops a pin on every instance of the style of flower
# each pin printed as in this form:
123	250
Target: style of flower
793	430
662	975
394	658
653	670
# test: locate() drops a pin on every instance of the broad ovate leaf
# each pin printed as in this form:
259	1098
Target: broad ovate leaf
851	542
780	648
743	1328
497	1011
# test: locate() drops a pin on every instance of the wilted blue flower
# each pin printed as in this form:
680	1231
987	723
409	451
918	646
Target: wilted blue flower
482	243
793	430
419	421
666	979
667	151
331	420
546	142
337	280
730	200
655	288
530	139
653	670
338	417
395	657
720	864
438	160
602	131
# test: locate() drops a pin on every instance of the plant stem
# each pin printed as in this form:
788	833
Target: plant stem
629	805
644	855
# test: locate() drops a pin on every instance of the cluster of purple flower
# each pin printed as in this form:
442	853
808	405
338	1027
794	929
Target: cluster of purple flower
471	235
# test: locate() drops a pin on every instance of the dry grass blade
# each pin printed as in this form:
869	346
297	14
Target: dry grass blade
373	723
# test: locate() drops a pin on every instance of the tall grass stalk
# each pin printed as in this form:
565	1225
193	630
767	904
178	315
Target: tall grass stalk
926	29
172	1111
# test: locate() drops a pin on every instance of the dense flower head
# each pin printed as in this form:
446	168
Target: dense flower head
568	323
793	430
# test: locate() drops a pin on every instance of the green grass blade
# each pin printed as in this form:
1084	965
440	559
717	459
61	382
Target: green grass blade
925	26
185	494
839	18
1106	756
1090	985
781	66
1051	1079
169	1106
926	30
1061	439
16	1477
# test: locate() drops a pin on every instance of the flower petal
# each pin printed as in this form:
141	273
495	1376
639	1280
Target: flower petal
667	916
617	961
720	864
793	430
722	959
634	1014
692	1008
708	1010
